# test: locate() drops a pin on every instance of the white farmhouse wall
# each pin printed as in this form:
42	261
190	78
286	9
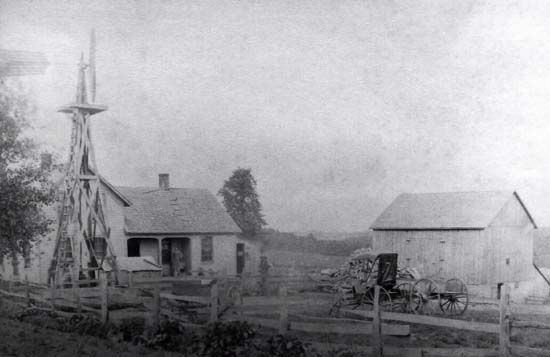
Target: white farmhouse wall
225	255
114	214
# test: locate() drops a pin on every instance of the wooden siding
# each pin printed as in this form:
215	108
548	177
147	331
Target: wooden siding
512	215
477	257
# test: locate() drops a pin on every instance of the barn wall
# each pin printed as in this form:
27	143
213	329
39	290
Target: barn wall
475	256
511	253
437	254
512	215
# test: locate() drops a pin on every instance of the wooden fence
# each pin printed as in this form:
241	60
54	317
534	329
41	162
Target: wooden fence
503	328
224	300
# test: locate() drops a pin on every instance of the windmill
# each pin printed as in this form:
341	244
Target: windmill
81	217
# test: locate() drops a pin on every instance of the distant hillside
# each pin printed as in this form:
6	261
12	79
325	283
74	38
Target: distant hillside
334	235
346	243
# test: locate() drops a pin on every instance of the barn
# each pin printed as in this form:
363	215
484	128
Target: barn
483	238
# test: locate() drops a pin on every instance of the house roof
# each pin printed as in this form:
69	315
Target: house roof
175	210
452	210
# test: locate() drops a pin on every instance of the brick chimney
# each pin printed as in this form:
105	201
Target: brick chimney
164	181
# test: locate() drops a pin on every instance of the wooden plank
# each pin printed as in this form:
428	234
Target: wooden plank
156	307
205	300
529	351
504	333
283	310
104	298
530	324
52	293
430	320
348	329
377	325
214	303
27	291
407	351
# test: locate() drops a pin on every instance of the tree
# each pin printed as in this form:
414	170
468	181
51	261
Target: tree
241	201
25	185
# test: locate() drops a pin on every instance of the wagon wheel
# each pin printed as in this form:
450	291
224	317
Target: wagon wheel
338	300
454	299
384	300
422	292
402	299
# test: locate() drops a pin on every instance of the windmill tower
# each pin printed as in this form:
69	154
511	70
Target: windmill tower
81	219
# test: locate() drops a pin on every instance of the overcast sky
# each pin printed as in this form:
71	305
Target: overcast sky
336	106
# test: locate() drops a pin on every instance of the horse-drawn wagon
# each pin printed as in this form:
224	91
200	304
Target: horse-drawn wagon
355	289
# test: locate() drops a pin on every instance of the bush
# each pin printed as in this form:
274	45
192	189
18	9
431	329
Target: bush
285	346
81	324
132	330
170	336
225	339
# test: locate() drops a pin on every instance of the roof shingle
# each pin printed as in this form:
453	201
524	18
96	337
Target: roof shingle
175	210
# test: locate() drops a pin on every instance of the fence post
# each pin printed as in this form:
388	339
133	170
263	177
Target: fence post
76	291
53	282
241	292
104	297
214	302
377	325
27	291
283	310
504	322
156	306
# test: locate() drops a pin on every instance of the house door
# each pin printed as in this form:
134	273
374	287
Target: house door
240	258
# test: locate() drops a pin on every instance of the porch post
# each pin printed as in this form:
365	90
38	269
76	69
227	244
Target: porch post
160	251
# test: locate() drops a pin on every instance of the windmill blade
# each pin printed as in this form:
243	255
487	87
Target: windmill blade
92	65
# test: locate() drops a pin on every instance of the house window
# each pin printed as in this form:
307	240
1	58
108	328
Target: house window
100	247
207	249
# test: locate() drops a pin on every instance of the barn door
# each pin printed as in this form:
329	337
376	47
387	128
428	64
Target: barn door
240	258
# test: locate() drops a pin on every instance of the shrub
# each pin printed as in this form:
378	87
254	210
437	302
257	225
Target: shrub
225	339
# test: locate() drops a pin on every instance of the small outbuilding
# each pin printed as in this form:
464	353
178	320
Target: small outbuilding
482	238
138	267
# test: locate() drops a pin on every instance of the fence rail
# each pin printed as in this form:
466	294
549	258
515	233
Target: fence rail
227	292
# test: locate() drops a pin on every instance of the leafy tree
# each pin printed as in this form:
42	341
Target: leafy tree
241	201
25	186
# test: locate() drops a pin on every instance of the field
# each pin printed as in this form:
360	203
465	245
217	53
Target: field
285	260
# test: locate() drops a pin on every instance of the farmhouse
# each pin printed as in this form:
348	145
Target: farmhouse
483	238
180	231
185	230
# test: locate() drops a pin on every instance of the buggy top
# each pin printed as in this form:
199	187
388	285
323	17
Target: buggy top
372	255
385	271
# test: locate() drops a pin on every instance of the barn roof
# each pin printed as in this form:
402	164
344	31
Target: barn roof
452	210
174	210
